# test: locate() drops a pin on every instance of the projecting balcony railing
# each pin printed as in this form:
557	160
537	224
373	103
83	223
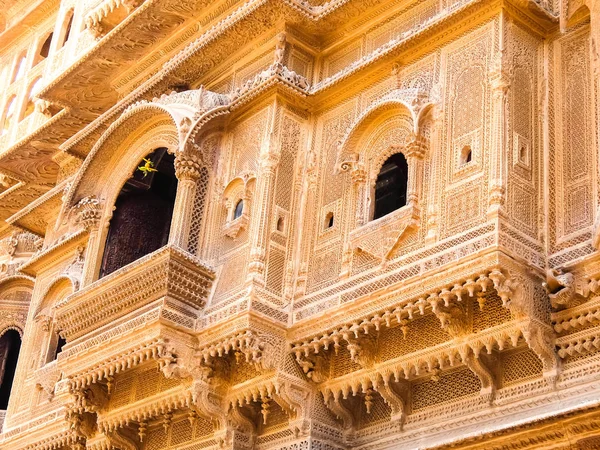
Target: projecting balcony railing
168	273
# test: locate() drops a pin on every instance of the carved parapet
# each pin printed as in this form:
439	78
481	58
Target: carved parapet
382	237
166	273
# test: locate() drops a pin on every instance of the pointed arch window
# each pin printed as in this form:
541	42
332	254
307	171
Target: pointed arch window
44	48
68	27
391	186
9	115
36	86
239	209
21	67
142	217
10	345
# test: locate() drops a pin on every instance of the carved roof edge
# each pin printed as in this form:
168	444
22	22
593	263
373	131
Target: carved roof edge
246	320
124	360
35	206
54	253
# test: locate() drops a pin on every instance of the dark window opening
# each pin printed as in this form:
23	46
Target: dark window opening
391	185
239	209
45	48
142	217
60	343
68	30
329	220
10	344
466	155
280	224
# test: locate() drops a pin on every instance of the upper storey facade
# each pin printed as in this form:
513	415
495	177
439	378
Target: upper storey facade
357	224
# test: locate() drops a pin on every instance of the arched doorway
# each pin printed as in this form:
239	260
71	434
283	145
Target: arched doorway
142	217
10	345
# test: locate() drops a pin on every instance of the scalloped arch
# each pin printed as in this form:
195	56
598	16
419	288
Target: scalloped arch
60	288
16	281
354	133
138	131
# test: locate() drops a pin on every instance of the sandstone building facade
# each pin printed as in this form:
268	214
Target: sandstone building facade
299	224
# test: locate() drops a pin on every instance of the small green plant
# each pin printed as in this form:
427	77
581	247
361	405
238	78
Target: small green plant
147	167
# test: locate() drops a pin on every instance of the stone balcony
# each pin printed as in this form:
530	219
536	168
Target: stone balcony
169	274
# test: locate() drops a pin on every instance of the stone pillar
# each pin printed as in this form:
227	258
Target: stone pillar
89	212
500	83
415	152
359	183
259	231
188	167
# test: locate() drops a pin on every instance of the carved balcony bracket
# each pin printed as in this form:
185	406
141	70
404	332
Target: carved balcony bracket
480	367
563	290
540	338
334	401
314	366
451	312
394	394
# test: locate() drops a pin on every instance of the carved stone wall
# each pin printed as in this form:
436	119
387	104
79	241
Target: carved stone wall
279	314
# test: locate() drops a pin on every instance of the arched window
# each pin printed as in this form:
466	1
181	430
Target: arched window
60	343
142	217
36	86
391	185
44	49
328	220
10	345
239	209
466	155
68	28
20	67
8	115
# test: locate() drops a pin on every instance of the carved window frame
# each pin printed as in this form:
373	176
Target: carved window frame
238	189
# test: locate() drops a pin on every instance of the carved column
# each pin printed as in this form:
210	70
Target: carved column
188	167
415	152
359	182
595	66
260	216
89	212
500	83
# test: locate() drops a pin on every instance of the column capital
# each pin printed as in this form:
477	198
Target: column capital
89	211
188	166
416	146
